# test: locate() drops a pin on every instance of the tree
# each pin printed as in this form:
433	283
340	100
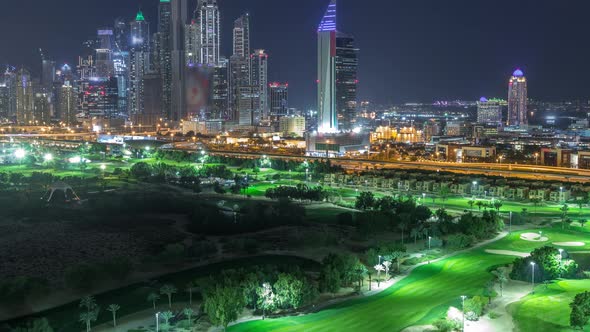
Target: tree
402	226
266	299
189	289
141	170
37	325
387	265
379	268
88	302
113	308
548	266
365	201
289	291
415	232
88	317
444	194
188	312
330	279
398	255
153	297
564	209
166	316
479	204
498	205
502	278
168	290
488	291
580	310
471	202
223	305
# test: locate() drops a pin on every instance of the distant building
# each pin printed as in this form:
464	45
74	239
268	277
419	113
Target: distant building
164	55
489	111
25	98
248	105
327	112
140	61
557	157
239	76
99	97
210	29
279	100
152	108
292	126
241	36
259	78
220	91
67	107
104	52
42	106
517	99
346	80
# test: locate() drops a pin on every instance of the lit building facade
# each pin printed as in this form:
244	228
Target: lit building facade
140	62
68	101
346	80
292	126
164	54
489	111
259	78
179	21
279	100
209	27
241	36
25	98
104	53
327	112
517	99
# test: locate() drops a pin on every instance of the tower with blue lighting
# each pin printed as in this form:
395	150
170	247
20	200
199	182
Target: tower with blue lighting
327	114
517	99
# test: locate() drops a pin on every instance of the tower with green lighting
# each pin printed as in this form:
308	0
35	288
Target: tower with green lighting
140	61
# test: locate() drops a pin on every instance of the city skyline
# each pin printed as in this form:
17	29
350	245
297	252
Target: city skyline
544	49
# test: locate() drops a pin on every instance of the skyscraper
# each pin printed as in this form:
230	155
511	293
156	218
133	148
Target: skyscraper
121	35
179	20
67	107
47	73
241	36
164	54
327	113
104	53
42	107
140	61
25	98
209	26
9	79
279	100
220	91
517	99
192	44
259	78
346	80
239	76
489	111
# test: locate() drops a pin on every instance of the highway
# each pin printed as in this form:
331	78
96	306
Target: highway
529	172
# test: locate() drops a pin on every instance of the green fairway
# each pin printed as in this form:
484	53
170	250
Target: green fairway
421	298
547	310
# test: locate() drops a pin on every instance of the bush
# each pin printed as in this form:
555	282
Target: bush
447	325
474	307
460	241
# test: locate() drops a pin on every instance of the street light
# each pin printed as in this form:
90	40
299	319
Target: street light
533	277
510	224
463	297
157	321
103	167
48	157
20	153
429	238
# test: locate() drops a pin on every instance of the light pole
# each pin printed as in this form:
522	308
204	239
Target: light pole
510	224
533	275
536	158
424	199
473	188
157	321
561	194
379	272
463	297
429	238
560	260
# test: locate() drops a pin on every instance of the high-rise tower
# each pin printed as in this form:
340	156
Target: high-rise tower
164	54
140	61
179	21
241	36
259	78
517	99
25	98
208	18
104	52
346	80
327	113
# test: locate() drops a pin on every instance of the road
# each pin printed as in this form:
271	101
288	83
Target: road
529	172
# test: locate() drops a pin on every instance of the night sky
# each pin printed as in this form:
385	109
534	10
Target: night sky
411	50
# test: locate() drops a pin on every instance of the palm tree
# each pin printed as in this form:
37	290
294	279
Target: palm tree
379	268
471	203
189	289
188	312
88	302
398	255
114	308
153	297
444	194
387	265
166	316
168	290
498	204
479	204
88	317
536	203
414	233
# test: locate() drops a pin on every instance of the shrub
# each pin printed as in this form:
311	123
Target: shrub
460	241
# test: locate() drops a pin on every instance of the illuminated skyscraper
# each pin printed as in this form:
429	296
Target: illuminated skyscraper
220	93
164	54
104	53
179	21
259	78
68	101
241	36
517	99
239	76
42	107
327	113
140	61
25	98
346	80
208	18
192	44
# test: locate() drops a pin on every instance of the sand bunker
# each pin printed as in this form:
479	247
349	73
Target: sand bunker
507	253
533	237
570	244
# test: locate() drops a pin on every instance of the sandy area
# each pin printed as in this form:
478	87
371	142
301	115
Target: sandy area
570	244
420	328
533	237
507	253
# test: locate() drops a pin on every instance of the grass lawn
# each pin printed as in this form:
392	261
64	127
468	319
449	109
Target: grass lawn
421	298
548	308
555	234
